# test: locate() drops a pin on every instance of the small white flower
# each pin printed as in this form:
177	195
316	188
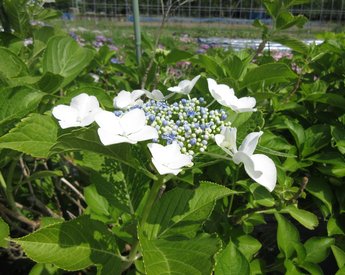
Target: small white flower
155	95
169	159
95	77
226	97
130	127
185	86
125	100
81	111
258	166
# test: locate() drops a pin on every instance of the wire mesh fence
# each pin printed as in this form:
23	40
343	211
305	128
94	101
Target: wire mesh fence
318	12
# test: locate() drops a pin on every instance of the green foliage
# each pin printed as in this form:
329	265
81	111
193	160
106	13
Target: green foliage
85	241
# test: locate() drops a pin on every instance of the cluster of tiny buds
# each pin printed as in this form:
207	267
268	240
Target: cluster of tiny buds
187	122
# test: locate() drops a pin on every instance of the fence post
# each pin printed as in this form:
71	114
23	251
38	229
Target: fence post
136	18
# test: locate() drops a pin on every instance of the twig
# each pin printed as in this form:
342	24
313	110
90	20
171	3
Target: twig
70	185
19	217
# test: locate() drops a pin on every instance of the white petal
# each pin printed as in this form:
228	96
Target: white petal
65	113
219	92
146	133
67	124
109	121
266	166
243	104
136	94
79	101
249	166
108	137
193	82
157	95
227	140
123	100
250	142
180	161
175	89
163	170
133	121
168	159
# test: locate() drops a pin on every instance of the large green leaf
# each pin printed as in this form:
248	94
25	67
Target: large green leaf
63	56
4	233
306	218
317	248
116	186
34	135
194	256
287	235
11	66
182	211
267	74
293	43
18	102
231	261
73	245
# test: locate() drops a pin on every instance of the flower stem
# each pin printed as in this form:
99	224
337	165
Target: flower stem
145	214
7	186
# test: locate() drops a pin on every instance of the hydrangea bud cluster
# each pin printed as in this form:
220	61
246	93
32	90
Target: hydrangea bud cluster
188	122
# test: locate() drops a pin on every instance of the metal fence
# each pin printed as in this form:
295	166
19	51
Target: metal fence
320	11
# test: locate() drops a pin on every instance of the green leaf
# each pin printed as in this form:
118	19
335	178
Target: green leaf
335	226
286	241
11	65
4	233
45	269
64	57
50	82
267	74
317	249
18	16
194	256
176	55
34	135
231	261
95	201
341	271
314	269
72	245
262	196
320	189
328	98
339	256
338	135
293	43
296	130
17	102
247	245
306	218
182	211
316	137
118	186
210	64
